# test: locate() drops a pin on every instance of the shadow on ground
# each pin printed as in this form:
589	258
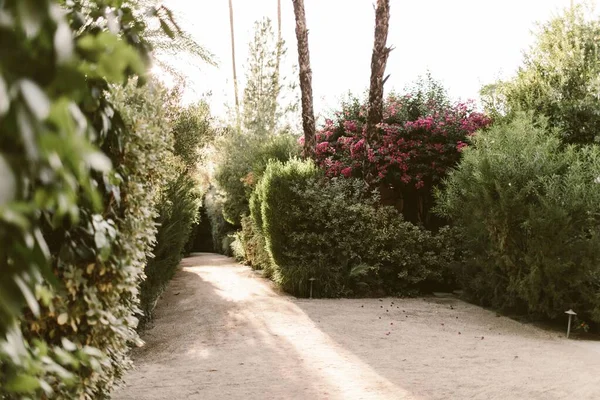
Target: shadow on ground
222	332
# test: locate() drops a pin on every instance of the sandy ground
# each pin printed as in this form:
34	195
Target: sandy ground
222	332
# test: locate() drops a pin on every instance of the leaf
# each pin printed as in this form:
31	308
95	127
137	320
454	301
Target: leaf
63	43
28	296
68	345
4	100
360	269
8	183
100	240
167	29
23	384
37	101
27	131
30	17
98	161
62	318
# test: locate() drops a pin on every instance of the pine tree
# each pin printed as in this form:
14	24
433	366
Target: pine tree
266	102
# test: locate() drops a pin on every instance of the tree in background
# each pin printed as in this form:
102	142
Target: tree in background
262	81
378	63
279	36
266	103
308	114
560	78
179	203
235	82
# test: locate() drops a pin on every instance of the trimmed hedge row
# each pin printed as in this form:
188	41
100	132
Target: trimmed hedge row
334	231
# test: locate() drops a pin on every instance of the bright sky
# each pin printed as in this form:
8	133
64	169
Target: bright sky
464	43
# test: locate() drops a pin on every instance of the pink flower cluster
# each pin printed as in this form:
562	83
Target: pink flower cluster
407	151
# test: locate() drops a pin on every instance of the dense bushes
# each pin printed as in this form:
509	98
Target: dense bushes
178	211
335	231
250	247
420	138
529	213
82	162
74	230
179	201
220	229
243	160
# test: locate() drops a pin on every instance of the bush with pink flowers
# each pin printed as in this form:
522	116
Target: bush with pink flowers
419	140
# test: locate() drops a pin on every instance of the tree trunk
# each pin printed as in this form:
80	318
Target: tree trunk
279	19
235	82
279	55
308	116
378	63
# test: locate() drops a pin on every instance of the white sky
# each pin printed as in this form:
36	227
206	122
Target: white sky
464	43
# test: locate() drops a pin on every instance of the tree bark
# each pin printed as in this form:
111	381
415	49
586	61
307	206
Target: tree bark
378	63
235	82
308	116
279	53
279	19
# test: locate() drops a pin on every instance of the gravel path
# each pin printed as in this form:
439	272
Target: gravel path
222	332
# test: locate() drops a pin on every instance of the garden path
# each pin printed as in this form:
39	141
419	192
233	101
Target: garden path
223	332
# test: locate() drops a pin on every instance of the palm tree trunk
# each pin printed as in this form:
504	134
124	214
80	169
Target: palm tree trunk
279	19
378	63
308	116
279	55
235	82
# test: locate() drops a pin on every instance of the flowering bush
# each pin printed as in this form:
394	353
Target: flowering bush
421	137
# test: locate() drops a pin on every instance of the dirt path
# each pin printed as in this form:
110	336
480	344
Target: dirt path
222	332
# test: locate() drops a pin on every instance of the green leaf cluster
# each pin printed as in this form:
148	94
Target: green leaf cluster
528	210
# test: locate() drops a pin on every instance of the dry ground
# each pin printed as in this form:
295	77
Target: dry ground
222	332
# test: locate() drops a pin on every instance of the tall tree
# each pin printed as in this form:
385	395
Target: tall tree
235	82
378	63
560	78
262	81
279	38
308	115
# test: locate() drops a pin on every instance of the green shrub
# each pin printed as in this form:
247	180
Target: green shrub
254	247
75	222
237	247
178	211
528	211
334	231
179	203
220	228
244	158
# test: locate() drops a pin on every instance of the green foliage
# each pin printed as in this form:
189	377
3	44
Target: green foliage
243	159
178	211
220	228
193	131
561	77
528	210
154	120
78	186
334	231
251	247
266	95
170	41
171	139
